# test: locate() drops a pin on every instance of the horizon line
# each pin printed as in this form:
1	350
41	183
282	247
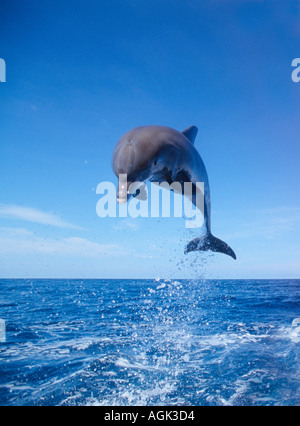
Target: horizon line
157	279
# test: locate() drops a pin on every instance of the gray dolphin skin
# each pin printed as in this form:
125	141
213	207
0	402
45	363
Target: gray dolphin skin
162	154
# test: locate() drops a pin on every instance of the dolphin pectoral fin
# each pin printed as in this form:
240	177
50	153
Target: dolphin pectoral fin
210	243
138	190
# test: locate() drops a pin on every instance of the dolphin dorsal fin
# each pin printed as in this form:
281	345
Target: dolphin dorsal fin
191	133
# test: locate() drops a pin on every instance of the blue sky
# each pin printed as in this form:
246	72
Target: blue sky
82	73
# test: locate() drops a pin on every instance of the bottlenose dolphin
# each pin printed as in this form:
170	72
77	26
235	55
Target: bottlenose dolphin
162	154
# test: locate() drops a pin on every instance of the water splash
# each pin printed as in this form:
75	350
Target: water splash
152	342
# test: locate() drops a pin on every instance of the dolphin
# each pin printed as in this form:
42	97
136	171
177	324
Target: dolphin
162	154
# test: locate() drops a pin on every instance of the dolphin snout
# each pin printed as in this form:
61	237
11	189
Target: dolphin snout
122	200
122	197
122	194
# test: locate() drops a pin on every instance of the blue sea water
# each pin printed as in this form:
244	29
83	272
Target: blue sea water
150	342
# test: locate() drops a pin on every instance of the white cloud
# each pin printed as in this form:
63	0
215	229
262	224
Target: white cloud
269	223
12	232
30	214
20	242
126	224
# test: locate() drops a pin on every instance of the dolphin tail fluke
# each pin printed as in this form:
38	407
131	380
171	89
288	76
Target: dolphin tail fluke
210	243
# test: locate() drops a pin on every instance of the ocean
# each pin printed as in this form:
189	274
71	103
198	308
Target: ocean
150	342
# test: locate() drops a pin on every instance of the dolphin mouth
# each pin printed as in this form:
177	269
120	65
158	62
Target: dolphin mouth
122	200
